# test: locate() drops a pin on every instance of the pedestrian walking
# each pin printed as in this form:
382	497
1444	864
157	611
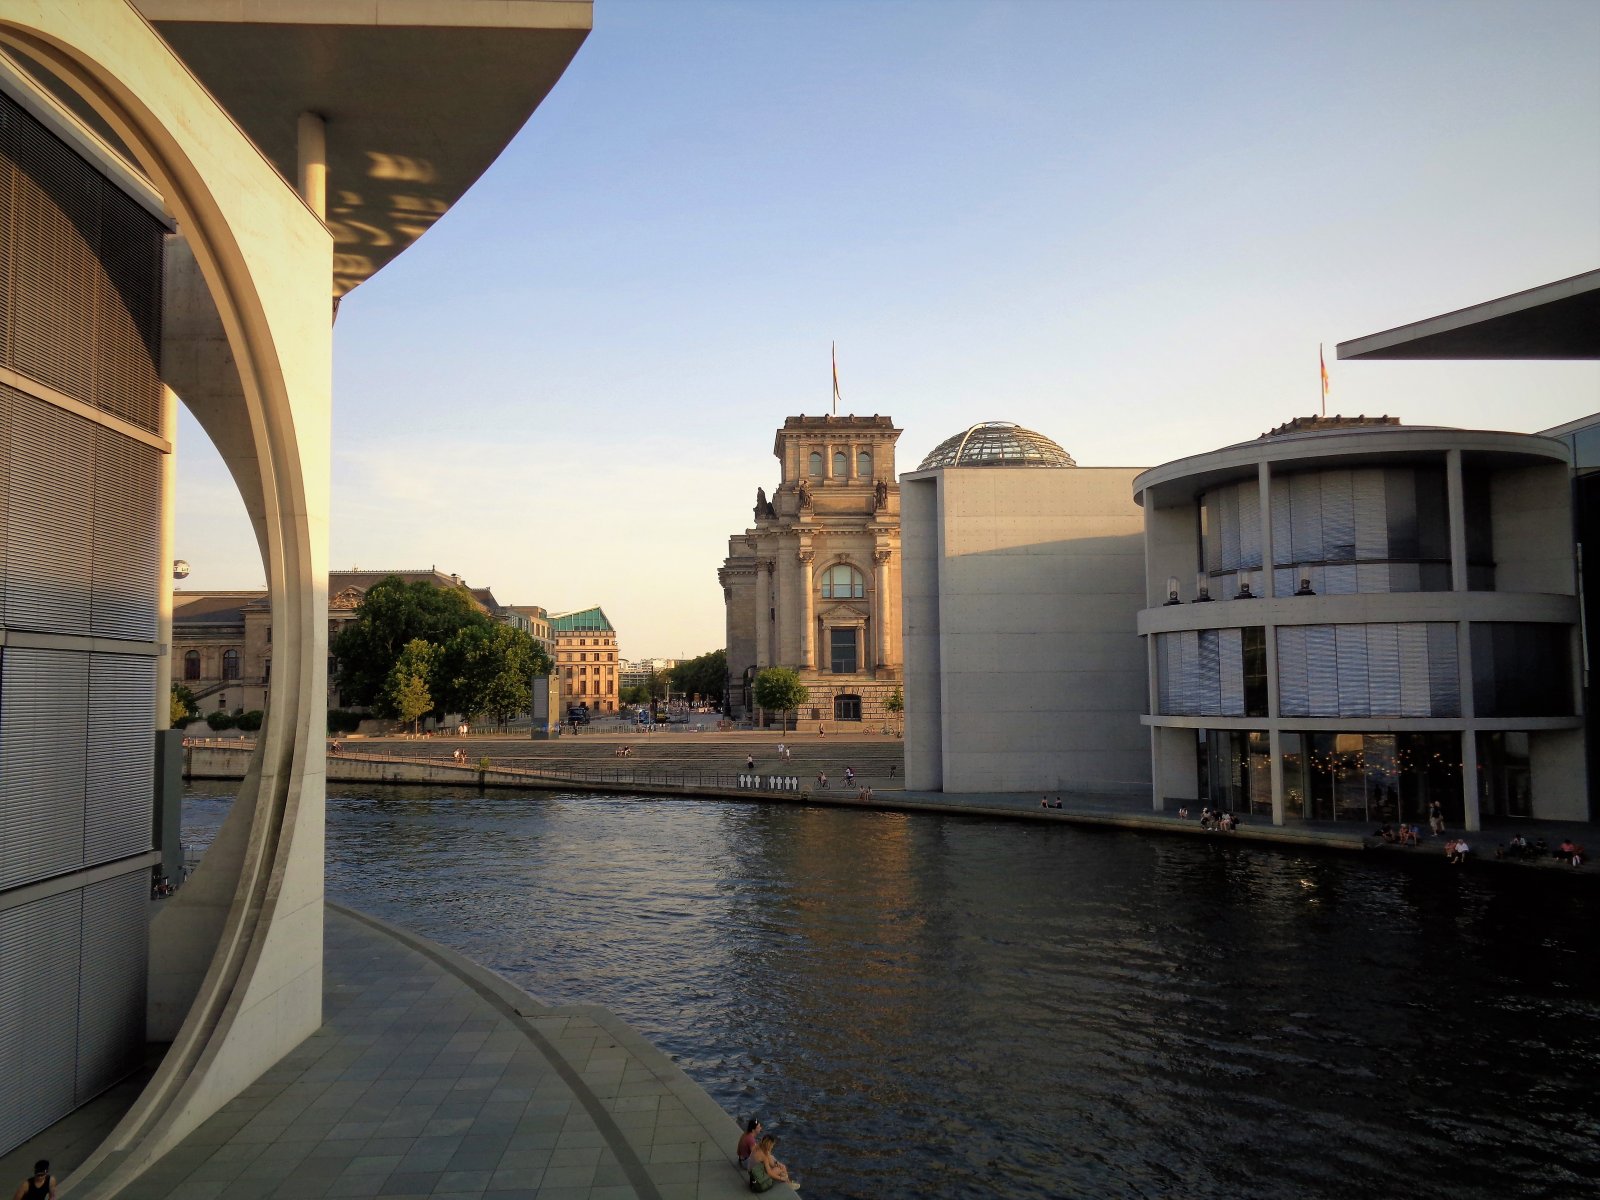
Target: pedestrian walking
41	1185
749	762
1435	817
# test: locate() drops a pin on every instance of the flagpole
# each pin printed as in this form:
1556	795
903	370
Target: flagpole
1322	373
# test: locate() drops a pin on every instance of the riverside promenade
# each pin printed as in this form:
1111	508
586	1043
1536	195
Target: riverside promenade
433	1077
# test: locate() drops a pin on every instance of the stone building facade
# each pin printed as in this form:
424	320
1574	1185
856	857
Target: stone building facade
814	584
586	659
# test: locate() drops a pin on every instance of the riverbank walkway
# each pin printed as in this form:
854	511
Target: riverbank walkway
433	1077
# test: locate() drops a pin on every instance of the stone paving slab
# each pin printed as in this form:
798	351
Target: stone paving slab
433	1077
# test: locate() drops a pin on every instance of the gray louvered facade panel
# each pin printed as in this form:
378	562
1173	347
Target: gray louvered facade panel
1416	696
49	519
1372	520
1282	523
126	557
1208	698
1444	670
1228	526
1305	497
1338	516
1189	671
1230	668
38	1013
1340	579
43	703
5	488
119	787
1350	642
1322	671
1249	524
111	989
1294	698
1383	670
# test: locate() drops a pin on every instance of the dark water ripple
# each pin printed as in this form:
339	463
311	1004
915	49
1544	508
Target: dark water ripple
943	1007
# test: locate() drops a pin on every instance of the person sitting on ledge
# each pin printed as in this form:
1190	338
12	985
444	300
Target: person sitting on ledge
765	1170
822	779
1205	817
747	1143
1387	833
1409	835
1056	803
1044	801
1456	850
1183	814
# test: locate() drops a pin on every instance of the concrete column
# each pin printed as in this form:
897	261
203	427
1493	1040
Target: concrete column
807	611
1157	770
1469	779
312	182
1264	483
1275	753
880	605
169	492
1456	499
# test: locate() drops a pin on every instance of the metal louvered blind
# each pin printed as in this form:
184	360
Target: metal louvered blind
1294	696
39	945
1444	670
127	537
1282	523
49	519
1372	521
1230	670
43	706
80	293
1249	524
1416	696
119	788
1322	672
1350	642
1383	670
111	985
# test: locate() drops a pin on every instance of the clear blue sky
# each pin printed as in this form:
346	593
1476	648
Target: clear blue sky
1126	225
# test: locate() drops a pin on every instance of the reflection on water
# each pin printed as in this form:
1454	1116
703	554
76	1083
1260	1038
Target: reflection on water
946	1007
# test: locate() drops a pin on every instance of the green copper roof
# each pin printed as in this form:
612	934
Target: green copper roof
589	620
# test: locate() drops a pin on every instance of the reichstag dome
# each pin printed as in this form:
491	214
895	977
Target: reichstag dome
997	444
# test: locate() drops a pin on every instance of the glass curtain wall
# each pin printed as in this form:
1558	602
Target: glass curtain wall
1239	766
1373	777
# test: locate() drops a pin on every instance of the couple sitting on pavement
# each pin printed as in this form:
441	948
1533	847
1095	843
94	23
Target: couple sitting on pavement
1224	822
755	1157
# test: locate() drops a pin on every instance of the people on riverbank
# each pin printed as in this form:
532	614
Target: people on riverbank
1456	850
765	1169
1435	818
747	1142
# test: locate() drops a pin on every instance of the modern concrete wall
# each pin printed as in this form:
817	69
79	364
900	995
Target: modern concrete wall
1041	672
1558	766
1532	529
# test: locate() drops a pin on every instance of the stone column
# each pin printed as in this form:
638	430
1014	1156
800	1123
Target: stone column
764	622
808	605
880	605
785	644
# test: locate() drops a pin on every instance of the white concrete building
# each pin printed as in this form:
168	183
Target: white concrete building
1023	577
1348	619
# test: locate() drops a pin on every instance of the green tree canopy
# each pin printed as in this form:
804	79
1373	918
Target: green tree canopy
184	706
895	703
705	676
780	689
393	614
405	694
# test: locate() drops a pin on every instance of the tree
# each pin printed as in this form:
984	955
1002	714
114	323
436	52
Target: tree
393	614
517	660
895	704
780	689
633	693
705	676
184	706
405	694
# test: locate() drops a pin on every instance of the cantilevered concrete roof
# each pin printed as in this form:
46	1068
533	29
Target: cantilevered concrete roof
419	96
1559	321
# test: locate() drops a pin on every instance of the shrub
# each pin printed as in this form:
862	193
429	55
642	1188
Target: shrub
250	721
221	720
341	721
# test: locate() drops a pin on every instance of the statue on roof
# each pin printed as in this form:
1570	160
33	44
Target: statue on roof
804	493
880	496
763	505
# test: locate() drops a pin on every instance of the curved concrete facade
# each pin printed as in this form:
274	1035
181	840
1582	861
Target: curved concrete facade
1353	620
239	951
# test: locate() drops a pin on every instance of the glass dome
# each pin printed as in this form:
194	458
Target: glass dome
997	444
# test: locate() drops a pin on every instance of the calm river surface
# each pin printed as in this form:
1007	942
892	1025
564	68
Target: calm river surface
947	1007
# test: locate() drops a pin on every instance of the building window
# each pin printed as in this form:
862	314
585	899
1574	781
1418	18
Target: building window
841	464
816	464
864	465
843	582
847	708
842	650
191	664
230	664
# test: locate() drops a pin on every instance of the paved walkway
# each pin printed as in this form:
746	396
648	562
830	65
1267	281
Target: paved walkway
432	1077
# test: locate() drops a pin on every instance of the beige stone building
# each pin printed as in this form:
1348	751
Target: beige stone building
586	659
814	584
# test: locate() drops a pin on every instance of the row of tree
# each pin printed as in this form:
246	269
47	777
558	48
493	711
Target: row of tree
780	689
416	649
704	678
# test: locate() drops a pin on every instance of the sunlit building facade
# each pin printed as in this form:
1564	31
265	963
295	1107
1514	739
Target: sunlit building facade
1350	619
586	659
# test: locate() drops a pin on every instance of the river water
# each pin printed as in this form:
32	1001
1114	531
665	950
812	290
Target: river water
925	1006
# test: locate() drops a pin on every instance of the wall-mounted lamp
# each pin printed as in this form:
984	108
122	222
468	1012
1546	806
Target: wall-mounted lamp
1172	591
1305	588
1202	588
1244	587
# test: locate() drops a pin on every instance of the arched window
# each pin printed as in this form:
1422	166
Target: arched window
191	664
864	464
843	582
816	464
841	464
230	664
